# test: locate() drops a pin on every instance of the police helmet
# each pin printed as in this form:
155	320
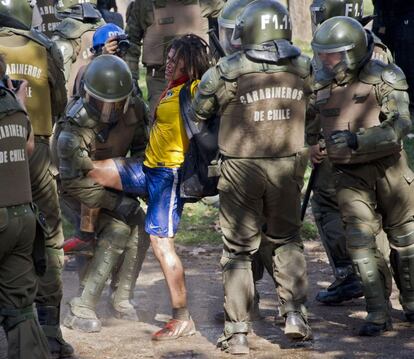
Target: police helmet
340	45
108	85
24	13
84	10
102	34
262	21
322	10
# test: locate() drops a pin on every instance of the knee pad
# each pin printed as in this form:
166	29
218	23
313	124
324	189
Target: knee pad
402	236
359	235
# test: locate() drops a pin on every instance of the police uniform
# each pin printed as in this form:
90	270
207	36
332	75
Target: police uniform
74	39
262	124
153	25
48	13
329	222
81	139
30	55
18	280
373	181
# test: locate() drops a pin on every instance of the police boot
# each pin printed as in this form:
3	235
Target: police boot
49	319
82	317
234	339
341	290
297	327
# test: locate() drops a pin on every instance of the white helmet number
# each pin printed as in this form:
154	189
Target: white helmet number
274	21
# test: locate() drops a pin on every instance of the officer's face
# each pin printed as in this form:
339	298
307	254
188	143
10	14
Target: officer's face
330	60
173	69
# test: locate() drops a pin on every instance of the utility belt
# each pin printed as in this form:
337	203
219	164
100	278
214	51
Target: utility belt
18	210
157	71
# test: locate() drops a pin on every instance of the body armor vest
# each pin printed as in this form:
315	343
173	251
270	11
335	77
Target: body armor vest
49	19
265	118
83	59
349	107
27	60
119	139
15	188
175	19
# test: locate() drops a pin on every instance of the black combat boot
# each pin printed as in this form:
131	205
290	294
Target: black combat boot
49	320
296	327
341	290
373	329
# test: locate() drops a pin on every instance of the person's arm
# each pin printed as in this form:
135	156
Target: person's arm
212	93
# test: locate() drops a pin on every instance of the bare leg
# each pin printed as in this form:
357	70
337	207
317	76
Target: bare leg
106	174
173	269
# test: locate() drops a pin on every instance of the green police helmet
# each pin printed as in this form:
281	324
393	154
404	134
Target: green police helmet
227	23
345	36
108	84
20	11
262	21
322	10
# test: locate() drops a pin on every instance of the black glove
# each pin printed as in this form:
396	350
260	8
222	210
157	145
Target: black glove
128	210
344	138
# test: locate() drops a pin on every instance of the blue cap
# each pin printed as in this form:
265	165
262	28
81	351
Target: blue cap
103	33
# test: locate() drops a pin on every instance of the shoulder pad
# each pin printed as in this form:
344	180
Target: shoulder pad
41	38
371	72
73	29
394	76
302	65
9	104
211	81
64	47
76	113
230	66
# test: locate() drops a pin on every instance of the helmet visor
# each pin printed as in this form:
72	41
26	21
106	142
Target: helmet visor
317	15
330	64
229	45
108	112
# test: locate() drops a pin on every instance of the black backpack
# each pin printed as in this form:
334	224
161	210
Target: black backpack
202	151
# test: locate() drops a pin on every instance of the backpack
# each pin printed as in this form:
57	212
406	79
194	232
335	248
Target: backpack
202	151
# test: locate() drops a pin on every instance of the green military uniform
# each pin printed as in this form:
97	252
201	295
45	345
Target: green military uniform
18	280
262	96
47	11
82	137
33	57
324	203
368	105
73	36
153	24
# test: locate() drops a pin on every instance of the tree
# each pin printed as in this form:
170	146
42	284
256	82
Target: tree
301	19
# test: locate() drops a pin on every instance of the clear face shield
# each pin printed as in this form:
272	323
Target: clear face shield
226	29
333	64
108	112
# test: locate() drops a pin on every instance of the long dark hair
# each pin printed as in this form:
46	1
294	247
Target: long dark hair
195	53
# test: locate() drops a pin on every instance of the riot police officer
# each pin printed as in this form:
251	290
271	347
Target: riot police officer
18	280
324	205
363	112
30	55
262	95
102	124
73	35
154	24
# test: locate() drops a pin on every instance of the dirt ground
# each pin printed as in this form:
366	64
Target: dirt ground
335	328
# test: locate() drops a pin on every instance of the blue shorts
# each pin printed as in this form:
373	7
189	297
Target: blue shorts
162	187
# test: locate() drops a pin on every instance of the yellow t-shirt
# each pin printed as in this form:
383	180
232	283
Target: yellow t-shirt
168	140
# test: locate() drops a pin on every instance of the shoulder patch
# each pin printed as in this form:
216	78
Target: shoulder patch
73	29
394	76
